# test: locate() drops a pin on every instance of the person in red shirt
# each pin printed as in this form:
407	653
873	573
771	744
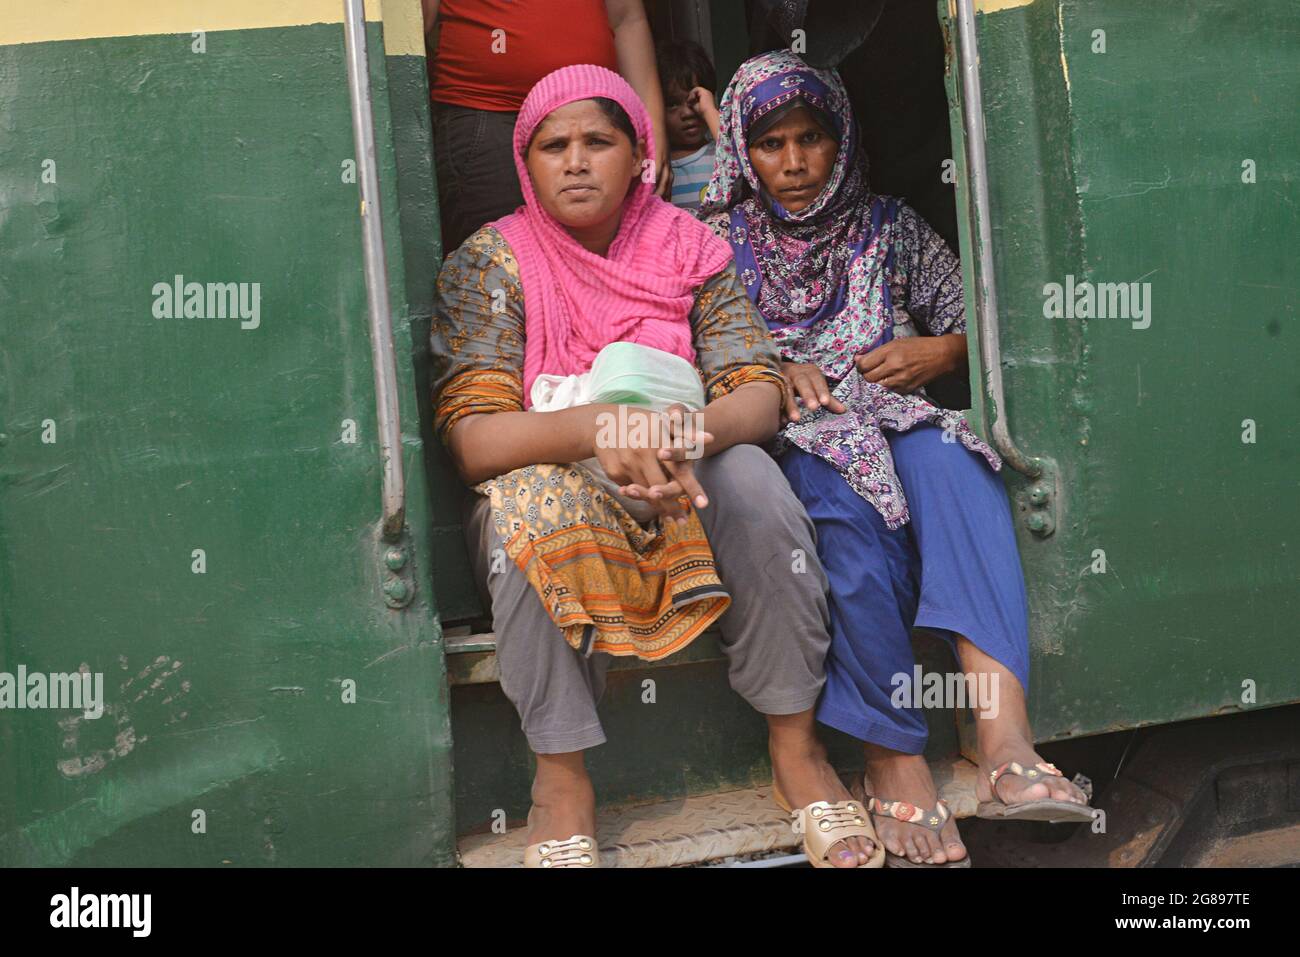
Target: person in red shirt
487	55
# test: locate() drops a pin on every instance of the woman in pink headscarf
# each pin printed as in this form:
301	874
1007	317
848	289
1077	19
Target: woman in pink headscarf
593	257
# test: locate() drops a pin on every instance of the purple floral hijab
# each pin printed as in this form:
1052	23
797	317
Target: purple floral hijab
805	267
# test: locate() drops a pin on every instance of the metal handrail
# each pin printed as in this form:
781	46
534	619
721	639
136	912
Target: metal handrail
383	359
986	295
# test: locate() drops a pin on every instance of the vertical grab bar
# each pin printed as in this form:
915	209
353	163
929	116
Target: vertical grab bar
986	295
383	361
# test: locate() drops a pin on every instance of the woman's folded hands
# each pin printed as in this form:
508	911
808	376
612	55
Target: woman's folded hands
649	454
653	459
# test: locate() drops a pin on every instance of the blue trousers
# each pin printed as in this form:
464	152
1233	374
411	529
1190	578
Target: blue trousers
953	569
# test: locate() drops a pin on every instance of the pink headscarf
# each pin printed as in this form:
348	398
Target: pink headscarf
576	302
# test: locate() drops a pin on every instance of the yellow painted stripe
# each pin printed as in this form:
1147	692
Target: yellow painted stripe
989	6
993	6
23	21
403	27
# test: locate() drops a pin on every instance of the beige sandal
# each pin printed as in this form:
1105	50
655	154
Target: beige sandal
577	851
825	823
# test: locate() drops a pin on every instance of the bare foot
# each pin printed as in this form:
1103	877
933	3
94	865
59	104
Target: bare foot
564	802
801	772
906	777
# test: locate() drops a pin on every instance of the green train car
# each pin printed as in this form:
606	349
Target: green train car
220	492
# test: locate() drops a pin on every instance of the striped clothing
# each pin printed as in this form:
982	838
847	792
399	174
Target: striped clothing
691	174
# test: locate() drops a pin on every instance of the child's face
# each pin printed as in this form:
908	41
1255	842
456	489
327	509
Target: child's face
686	129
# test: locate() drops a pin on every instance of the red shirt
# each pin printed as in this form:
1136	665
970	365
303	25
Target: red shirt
539	36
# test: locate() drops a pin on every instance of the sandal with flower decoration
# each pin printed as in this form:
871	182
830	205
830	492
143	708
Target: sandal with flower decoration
824	824
932	819
577	851
1044	809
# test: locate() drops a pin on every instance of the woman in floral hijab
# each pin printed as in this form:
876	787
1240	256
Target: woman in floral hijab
864	301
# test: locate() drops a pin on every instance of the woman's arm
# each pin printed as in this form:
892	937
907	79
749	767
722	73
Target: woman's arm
741	367
748	415
430	15
733	351
477	346
484	446
487	445
636	61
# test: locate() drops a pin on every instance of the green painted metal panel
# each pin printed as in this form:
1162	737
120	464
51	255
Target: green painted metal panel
224	689
1126	166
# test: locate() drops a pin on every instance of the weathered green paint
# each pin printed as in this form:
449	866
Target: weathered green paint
1126	166
182	434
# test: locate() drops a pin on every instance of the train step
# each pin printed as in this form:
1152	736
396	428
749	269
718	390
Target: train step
693	830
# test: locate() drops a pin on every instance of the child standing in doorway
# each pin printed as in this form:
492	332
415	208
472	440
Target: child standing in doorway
691	115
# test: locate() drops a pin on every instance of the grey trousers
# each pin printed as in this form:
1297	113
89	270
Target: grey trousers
775	633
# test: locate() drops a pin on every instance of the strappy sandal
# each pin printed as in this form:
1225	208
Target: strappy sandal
824	824
1044	809
932	819
577	851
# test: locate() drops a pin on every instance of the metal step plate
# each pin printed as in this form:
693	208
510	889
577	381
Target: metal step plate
665	834
694	830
